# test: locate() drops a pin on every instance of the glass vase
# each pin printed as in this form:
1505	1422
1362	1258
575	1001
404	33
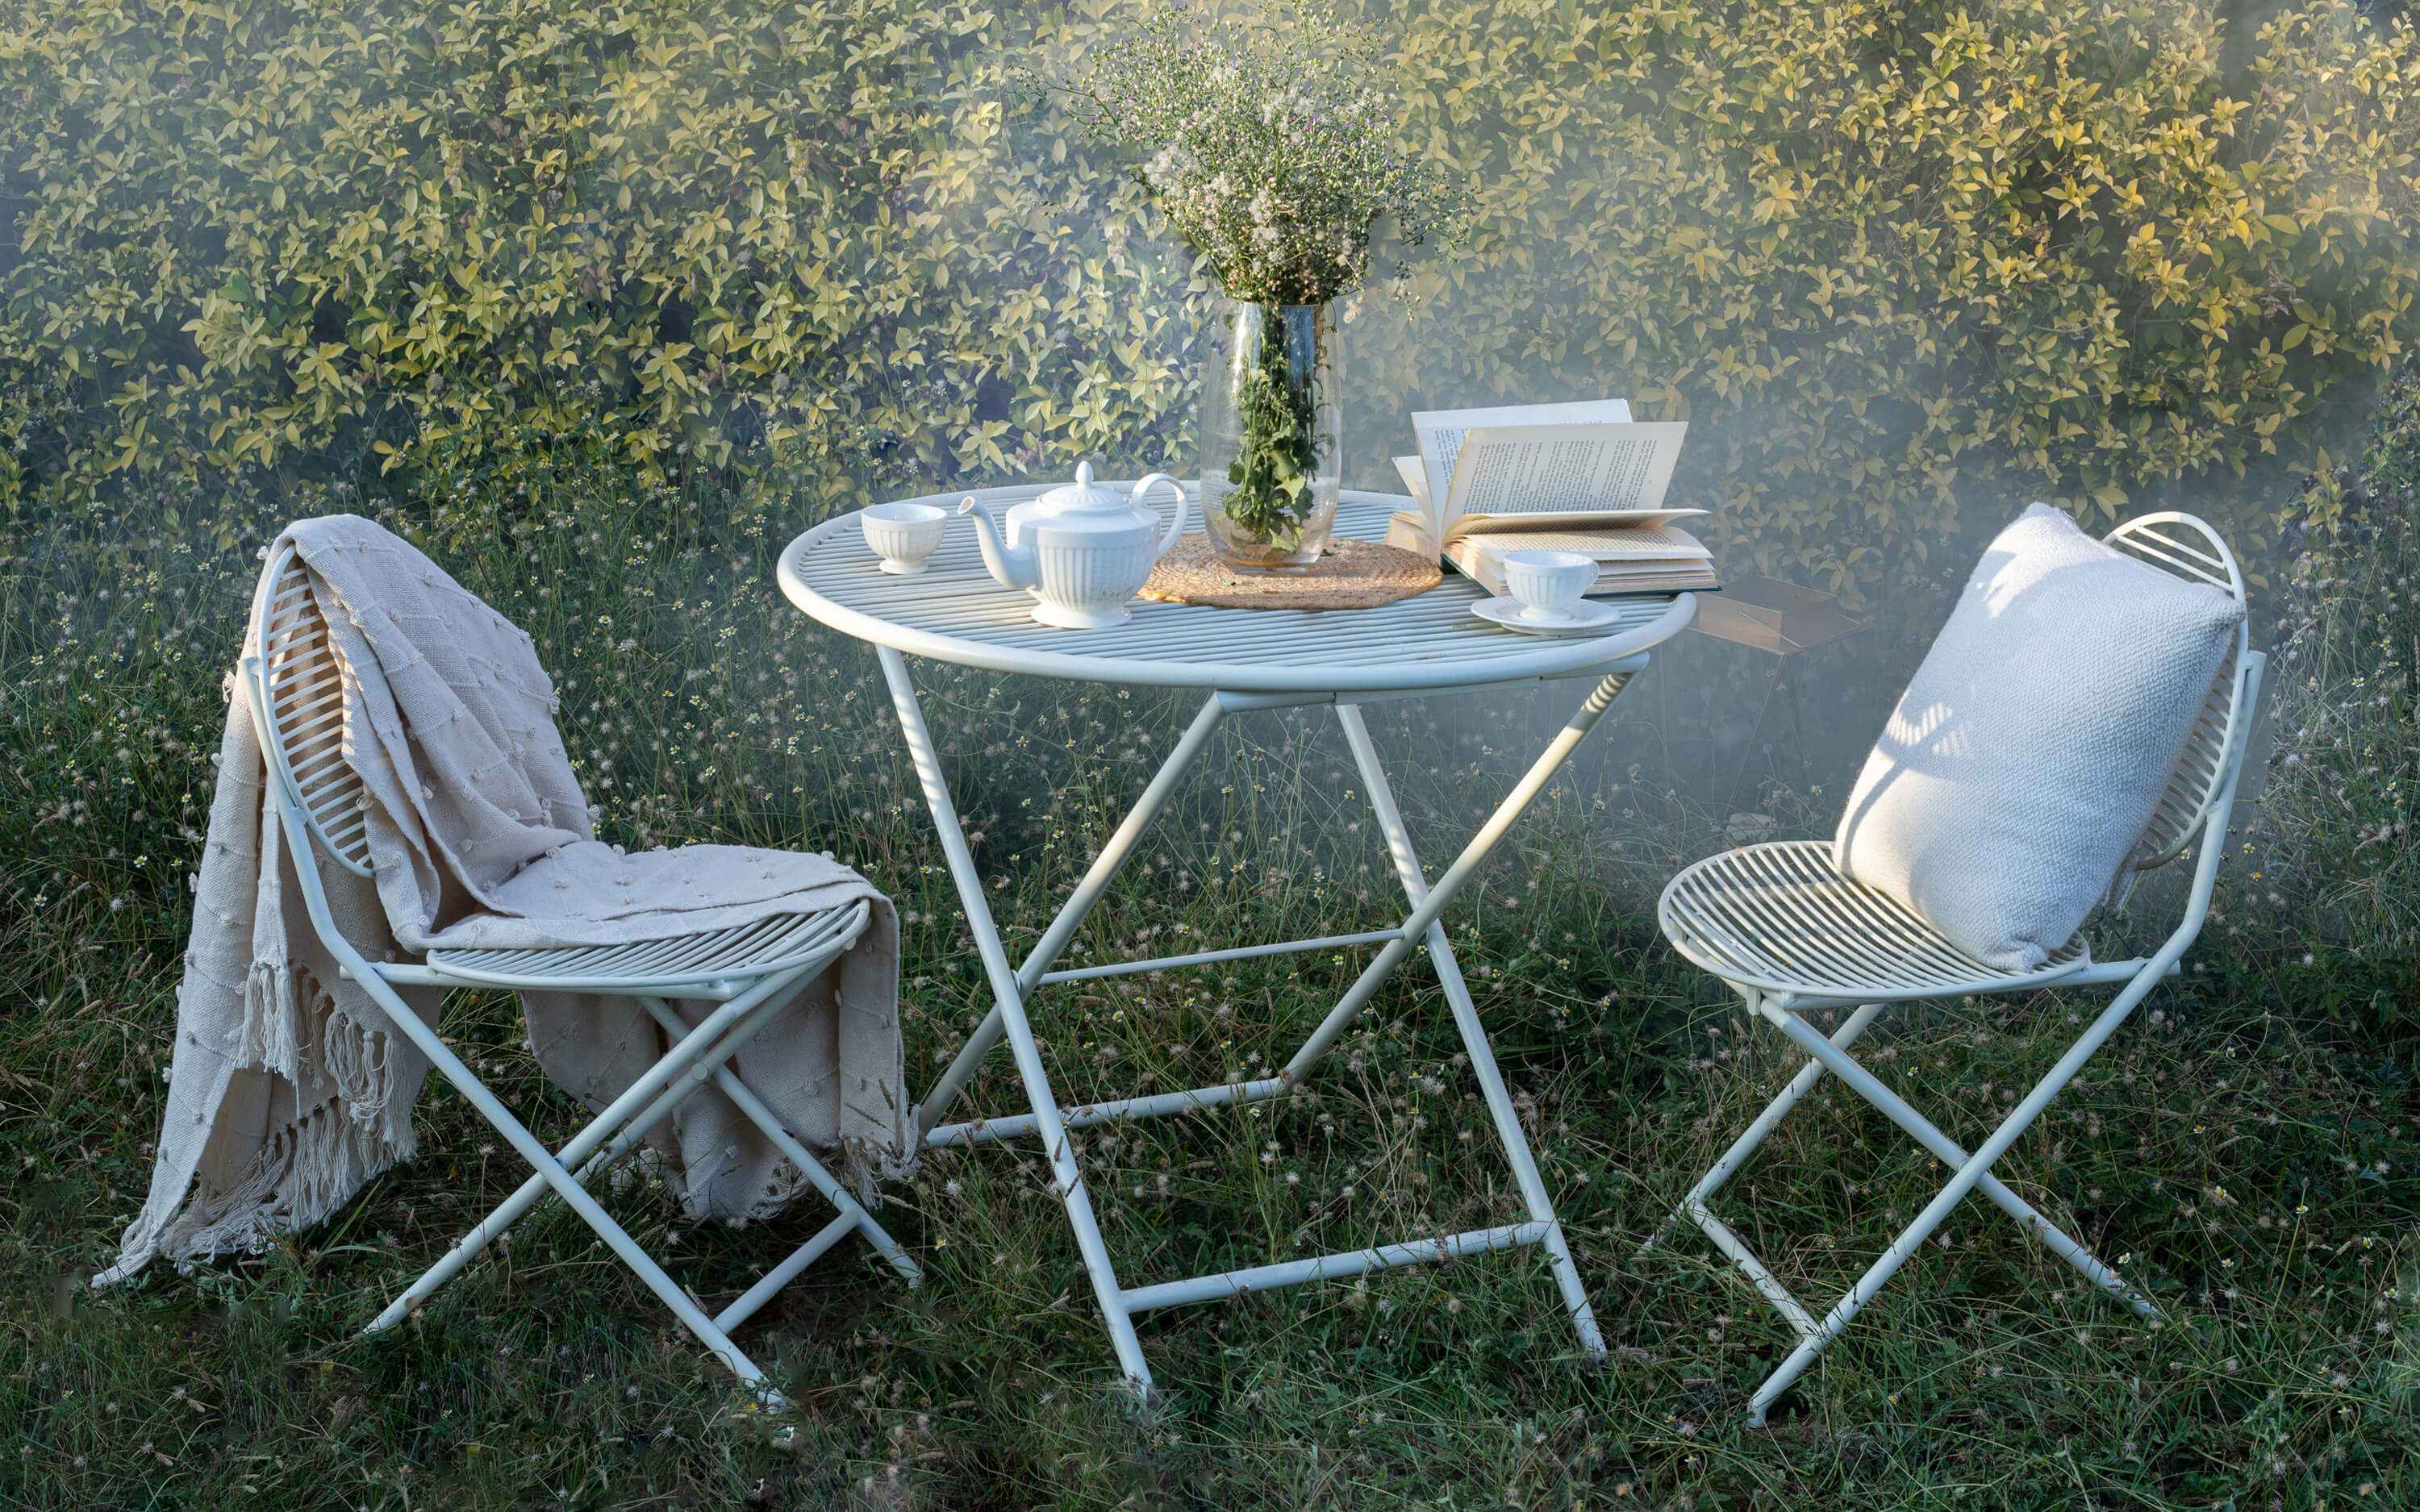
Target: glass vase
1272	436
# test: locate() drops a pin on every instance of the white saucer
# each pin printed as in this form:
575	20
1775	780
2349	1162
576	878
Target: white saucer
1588	619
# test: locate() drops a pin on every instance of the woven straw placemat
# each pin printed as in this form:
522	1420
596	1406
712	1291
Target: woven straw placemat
1348	575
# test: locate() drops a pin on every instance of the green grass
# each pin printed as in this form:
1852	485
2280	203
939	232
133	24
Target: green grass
2247	1146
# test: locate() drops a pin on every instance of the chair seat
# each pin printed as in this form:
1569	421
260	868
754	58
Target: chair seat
778	942
1780	917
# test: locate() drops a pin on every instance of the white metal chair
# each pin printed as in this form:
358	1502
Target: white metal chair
1789	933
294	685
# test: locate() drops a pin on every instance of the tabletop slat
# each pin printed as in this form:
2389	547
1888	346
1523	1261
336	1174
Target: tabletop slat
955	611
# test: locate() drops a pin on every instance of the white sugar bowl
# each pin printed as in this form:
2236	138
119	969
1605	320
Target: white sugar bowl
902	535
1082	549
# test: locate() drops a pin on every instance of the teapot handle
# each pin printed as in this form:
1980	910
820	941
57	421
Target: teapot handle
1177	526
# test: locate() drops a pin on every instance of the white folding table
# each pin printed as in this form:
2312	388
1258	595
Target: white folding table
1244	660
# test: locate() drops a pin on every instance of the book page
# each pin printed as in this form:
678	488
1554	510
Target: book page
1594	520
1518	470
1440	433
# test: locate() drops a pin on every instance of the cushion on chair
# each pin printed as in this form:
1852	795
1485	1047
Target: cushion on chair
2033	744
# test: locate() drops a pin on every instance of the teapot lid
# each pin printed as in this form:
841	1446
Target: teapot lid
1081	497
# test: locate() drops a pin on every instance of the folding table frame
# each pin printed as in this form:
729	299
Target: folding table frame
1014	987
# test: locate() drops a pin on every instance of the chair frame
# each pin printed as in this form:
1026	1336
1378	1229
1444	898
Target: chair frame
292	681
2197	804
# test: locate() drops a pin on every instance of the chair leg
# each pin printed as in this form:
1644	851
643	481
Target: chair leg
770	1285
1969	1173
1946	1150
626	1120
1765	1122
555	1175
753	1108
853	1214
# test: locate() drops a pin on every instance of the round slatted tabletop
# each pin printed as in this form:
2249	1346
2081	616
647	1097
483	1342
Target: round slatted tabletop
955	611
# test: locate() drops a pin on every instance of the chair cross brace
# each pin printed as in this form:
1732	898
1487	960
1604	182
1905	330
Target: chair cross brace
1831	1055
1013	988
697	1057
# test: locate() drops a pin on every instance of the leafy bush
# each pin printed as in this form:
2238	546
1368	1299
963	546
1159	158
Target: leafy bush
257	234
2339	872
1895	252
1887	254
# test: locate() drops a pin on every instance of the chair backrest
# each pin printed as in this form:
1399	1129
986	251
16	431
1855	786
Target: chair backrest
302	708
2186	547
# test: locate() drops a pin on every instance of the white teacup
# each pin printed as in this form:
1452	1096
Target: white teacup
902	535
1548	585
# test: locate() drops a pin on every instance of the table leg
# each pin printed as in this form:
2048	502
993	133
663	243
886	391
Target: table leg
1474	1035
1009	987
961	1070
1473	857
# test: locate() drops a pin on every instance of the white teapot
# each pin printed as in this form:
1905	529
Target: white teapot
1082	549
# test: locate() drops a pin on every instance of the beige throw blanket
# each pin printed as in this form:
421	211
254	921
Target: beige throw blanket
289	1089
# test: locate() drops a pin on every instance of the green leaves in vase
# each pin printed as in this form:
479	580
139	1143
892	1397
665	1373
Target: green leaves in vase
1277	407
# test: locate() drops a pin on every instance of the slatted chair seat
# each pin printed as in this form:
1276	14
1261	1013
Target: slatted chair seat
768	945
1781	918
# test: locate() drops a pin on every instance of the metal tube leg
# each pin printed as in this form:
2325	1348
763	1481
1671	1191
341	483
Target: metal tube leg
551	1170
1963	1181
687	1086
1754	1134
618	1116
1009	1001
747	1306
1474	1037
1474	856
1072	913
1946	1150
753	1108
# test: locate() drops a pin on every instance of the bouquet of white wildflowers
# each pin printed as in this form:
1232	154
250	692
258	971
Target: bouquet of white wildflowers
1267	145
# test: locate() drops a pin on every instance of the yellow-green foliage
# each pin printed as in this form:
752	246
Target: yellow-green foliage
1882	254
255	229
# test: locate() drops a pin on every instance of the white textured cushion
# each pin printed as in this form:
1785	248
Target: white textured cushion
2029	751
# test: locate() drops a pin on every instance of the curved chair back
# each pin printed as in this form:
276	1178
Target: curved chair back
2185	546
301	704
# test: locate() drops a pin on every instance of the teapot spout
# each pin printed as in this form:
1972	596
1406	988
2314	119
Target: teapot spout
1014	567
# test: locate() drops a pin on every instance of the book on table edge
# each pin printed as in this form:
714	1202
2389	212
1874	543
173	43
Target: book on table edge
1561	477
1653	559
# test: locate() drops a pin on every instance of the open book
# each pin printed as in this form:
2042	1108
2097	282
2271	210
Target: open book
1556	477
